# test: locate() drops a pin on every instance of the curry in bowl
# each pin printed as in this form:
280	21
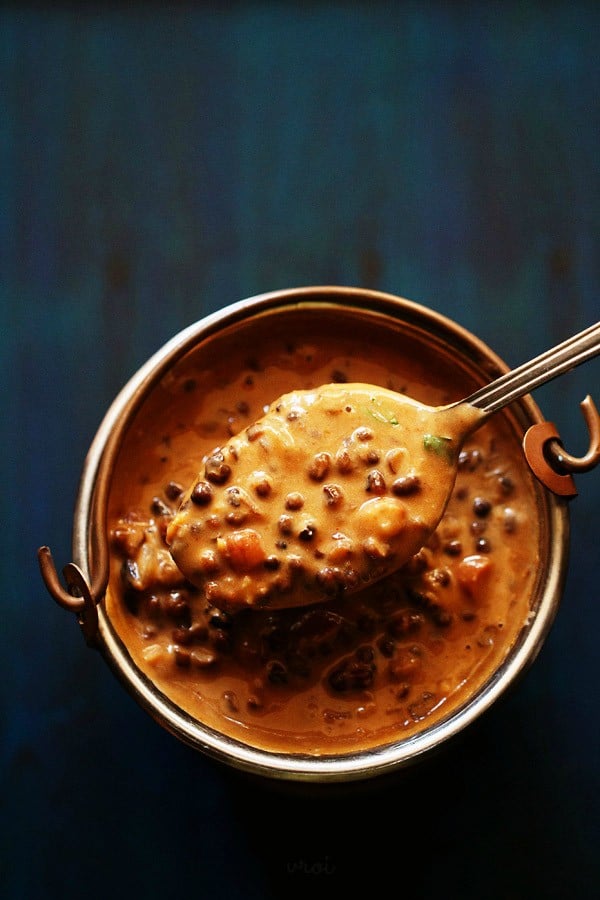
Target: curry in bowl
348	673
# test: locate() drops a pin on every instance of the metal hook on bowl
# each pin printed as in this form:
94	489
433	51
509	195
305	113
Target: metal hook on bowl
78	597
551	463
82	596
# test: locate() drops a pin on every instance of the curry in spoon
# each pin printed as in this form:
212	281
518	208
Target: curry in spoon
334	488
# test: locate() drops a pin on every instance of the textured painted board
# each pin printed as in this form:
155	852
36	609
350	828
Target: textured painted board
159	163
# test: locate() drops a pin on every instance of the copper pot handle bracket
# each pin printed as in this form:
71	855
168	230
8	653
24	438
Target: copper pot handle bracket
550	463
78	597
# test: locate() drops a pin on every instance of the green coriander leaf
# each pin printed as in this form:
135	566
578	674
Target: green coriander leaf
381	415
440	445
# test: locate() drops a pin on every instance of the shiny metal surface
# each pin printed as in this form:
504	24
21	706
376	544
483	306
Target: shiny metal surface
548	365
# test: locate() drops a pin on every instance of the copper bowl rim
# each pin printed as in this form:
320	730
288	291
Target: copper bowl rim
338	767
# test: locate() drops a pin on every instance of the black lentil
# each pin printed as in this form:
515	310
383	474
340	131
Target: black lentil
173	491
481	507
202	493
375	482
405	485
177	607
233	495
263	487
285	524
352	674
405	622
402	691
469	460
333	494
344	461
338	377
160	508
277	672
237	517
319	466
182	656
453	548
386	647
216	469
294	500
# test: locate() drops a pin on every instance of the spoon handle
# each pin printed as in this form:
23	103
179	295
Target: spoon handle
543	368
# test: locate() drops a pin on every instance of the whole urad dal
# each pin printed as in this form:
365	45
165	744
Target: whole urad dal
371	659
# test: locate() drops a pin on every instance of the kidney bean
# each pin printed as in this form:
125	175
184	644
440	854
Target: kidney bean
375	482
406	485
333	494
352	674
216	469
319	466
344	461
202	493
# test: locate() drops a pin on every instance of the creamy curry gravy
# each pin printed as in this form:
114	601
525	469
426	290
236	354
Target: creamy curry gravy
333	488
349	672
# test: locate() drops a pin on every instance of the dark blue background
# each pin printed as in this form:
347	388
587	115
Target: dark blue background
158	163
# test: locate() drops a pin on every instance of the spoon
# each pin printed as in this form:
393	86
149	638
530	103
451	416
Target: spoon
335	487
